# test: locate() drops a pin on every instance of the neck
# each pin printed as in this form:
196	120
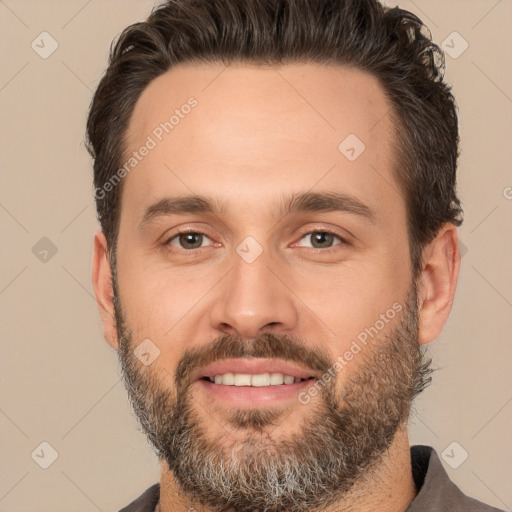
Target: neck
388	485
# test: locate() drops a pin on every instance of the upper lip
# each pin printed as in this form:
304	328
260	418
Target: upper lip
253	366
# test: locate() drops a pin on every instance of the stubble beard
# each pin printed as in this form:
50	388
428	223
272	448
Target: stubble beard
341	438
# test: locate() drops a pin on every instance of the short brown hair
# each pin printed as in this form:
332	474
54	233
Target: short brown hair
390	43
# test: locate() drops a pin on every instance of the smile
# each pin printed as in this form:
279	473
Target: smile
259	380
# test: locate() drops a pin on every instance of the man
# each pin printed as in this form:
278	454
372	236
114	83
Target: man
306	150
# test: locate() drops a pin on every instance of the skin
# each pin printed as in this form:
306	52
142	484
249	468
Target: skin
258	133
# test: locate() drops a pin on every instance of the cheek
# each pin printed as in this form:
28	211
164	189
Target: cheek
352	297
154	306
160	302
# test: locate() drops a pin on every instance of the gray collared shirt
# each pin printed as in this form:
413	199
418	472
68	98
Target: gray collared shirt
436	492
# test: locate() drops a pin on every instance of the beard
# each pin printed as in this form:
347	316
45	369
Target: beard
341	438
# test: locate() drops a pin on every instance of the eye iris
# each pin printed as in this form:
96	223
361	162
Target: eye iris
186	238
321	237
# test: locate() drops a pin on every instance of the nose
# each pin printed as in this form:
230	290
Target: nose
254	298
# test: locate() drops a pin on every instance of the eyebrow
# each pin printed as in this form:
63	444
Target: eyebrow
293	203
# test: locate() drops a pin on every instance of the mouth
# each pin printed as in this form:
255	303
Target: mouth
253	381
258	380
254	371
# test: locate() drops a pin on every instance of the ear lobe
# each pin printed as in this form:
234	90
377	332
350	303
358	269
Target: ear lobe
103	289
437	282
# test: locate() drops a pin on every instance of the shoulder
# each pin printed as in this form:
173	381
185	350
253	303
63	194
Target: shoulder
146	502
436	492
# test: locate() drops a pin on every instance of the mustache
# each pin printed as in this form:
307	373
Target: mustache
268	345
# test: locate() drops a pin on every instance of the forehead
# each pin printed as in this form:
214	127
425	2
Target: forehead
255	130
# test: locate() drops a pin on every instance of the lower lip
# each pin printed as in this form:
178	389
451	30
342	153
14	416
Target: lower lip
251	396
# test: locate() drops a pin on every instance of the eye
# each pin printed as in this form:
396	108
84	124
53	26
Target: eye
323	239
187	240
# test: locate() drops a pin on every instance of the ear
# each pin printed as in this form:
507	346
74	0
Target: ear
103	289
437	282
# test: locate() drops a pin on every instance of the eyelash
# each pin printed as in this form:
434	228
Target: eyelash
329	250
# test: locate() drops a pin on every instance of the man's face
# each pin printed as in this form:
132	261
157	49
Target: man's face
265	290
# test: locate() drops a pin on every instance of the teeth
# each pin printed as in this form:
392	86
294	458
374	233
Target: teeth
242	380
276	378
262	379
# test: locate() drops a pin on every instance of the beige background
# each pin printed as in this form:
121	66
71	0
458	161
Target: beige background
60	382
